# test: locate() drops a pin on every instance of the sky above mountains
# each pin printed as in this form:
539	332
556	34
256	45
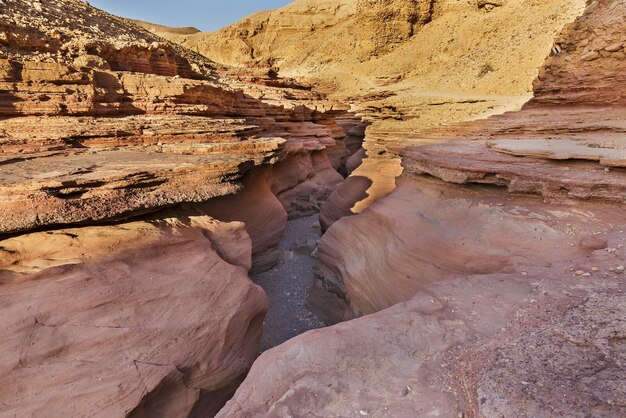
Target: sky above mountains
206	15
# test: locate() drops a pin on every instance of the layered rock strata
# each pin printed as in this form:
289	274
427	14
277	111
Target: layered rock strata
393	49
128	166
565	154
492	274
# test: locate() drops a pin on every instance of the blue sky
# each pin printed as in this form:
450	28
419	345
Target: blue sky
206	15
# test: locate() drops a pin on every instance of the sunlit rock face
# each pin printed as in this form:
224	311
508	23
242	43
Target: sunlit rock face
475	264
127	319
489	280
570	155
140	183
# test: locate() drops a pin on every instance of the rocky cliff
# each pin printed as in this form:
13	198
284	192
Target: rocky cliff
491	277
128	166
475	264
361	48
404	66
587	64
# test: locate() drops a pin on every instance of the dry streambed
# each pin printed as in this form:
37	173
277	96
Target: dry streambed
288	284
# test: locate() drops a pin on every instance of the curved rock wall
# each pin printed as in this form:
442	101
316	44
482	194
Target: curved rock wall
105	320
476	346
492	275
125	296
565	154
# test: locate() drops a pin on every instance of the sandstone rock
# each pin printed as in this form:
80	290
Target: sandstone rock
540	150
428	45
262	213
590	56
427	230
489	5
593	242
478	275
91	61
187	30
178	140
481	346
90	333
408	72
470	235
600	81
614	47
124	297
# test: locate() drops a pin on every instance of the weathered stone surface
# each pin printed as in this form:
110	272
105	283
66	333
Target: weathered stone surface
355	49
49	35
427	230
561	153
590	69
489	254
135	139
127	319
490	275
401	74
485	345
123	297
554	153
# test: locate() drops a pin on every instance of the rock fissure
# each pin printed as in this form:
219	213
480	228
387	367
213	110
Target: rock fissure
376	165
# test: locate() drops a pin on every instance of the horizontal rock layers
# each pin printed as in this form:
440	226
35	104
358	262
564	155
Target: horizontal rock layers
188	150
128	166
564	154
491	276
588	67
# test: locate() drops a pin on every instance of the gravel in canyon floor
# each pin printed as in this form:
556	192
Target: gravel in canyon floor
288	284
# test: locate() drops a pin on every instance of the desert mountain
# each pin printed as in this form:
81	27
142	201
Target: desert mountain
352	48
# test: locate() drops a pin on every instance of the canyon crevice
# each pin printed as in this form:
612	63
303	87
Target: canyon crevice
471	198
140	186
479	274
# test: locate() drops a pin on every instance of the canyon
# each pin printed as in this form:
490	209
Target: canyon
160	190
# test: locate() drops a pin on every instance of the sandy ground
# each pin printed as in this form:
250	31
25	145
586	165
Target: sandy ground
287	285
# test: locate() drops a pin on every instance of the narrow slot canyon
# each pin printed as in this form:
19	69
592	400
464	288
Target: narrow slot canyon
288	284
338	208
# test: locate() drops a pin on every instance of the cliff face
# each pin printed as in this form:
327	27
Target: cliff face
587	65
391	22
137	134
127	168
32	31
490	278
404	66
568	153
483	261
360	48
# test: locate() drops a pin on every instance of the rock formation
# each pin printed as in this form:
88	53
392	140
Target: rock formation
478	346
121	320
405	66
491	277
475	264
128	166
395	48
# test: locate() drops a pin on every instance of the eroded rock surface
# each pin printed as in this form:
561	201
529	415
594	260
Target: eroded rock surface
478	346
127	319
491	277
119	151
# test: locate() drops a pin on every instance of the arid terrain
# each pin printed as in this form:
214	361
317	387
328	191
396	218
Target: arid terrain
160	191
